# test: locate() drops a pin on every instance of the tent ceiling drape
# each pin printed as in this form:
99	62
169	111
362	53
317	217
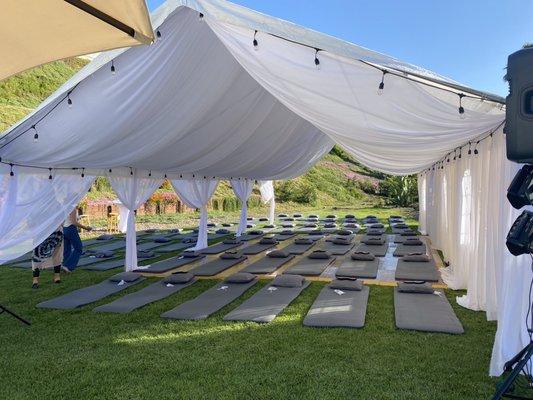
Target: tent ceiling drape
266	114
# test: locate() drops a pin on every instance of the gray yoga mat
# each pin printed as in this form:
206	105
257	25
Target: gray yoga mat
416	271
168	264
310	266
401	239
22	265
219	248
170	248
425	312
257	248
266	304
247	237
87	295
105	265
146	246
209	301
314	238
88	260
216	266
403	250
267	265
354	269
298	249
336	249
281	237
338	309
331	238
149	294
378	251
109	246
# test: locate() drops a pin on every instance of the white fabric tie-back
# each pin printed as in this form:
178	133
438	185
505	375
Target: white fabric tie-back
243	190
267	196
133	191
33	206
196	193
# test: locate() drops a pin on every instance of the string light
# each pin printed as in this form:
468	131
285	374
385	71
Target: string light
150	173
460	151
112	67
469	148
255	42
83	172
131	171
11	173
317	61
50	176
475	148
461	108
382	83
110	170
454	154
158	33
200	17
36	134
69	100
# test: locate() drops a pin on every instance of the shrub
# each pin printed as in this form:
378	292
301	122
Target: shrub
296	191
400	191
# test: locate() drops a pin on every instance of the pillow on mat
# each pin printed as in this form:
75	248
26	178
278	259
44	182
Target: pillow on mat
268	241
263	219
377	226
415	288
104	254
312	216
161	239
349	216
105	237
362	256
317	232
416	258
256	232
226	225
270	226
231	255
374	241
303	241
332	216
277	254
310	226
341	240
374	232
287	280
125	276
321	254
282	215
330	225
222	231
408	233
189	254
240	277
297	215
286	232
413	242
179	277
346	284
344	232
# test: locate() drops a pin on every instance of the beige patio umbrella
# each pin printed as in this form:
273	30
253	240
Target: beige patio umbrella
35	32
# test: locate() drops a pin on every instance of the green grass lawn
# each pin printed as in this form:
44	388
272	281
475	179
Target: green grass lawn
83	355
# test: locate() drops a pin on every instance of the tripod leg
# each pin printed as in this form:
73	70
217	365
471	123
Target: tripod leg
527	352
3	309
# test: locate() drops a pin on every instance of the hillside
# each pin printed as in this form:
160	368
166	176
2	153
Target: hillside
336	180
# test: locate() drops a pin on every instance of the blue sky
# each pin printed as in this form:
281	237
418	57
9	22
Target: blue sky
467	40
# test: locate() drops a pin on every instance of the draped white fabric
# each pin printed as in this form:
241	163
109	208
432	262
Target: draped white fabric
33	206
267	196
196	193
467	215
243	189
133	191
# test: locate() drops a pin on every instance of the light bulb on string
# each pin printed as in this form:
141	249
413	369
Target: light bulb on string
317	61
461	108
382	83
200	17
255	42
11	173
69	100
35	134
113	70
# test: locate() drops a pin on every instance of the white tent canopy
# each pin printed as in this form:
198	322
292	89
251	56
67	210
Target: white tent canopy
34	33
228	93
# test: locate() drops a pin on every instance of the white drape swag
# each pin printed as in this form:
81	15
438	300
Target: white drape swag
133	191
464	209
266	188
196	193
243	189
32	206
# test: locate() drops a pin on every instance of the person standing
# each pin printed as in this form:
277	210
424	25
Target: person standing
49	254
73	247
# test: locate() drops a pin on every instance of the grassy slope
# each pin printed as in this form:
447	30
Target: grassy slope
84	355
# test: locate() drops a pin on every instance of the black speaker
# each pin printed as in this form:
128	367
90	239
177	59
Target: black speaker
519	106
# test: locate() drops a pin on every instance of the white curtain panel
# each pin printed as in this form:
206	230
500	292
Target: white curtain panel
467	215
196	193
268	197
133	191
243	189
32	206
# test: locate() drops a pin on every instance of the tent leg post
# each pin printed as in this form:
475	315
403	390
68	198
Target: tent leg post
5	310
515	367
